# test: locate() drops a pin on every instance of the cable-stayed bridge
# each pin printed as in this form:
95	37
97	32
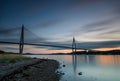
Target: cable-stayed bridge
22	38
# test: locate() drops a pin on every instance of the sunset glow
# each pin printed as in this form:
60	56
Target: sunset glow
94	24
108	60
60	40
107	49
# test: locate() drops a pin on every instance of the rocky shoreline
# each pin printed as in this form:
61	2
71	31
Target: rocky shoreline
34	70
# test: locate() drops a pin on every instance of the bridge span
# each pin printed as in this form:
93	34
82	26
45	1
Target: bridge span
21	44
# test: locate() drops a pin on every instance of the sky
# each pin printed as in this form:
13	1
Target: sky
93	23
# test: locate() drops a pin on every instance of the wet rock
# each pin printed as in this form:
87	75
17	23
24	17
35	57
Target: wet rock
64	65
63	73
80	73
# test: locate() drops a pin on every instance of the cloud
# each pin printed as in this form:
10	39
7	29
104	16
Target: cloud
53	44
10	34
104	44
116	7
108	17
82	5
48	23
84	45
11	48
93	2
9	31
83	2
13	35
106	29
102	24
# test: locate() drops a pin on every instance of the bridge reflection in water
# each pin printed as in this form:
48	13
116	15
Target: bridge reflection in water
74	60
93	67
95	60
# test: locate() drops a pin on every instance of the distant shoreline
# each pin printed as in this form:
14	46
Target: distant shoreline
71	54
112	52
64	54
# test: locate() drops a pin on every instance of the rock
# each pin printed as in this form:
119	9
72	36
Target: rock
63	73
80	73
63	65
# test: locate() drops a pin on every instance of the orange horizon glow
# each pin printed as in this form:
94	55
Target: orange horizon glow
107	60
107	49
47	51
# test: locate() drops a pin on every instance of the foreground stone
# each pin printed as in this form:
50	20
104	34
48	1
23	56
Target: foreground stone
37	70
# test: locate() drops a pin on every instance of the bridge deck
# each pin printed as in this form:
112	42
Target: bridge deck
41	45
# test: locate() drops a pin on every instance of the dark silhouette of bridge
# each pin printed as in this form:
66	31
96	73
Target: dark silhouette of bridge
21	43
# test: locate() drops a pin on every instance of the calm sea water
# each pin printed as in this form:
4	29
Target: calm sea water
92	67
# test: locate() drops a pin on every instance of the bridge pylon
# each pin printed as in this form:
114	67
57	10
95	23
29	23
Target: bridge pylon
73	46
21	43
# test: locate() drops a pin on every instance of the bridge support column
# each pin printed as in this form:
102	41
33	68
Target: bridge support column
73	46
21	44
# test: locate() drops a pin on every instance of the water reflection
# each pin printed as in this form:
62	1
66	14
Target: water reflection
74	60
93	67
94	60
108	60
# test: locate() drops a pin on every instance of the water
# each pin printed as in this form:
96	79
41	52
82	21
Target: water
92	67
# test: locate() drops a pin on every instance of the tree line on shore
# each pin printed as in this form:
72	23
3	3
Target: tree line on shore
111	52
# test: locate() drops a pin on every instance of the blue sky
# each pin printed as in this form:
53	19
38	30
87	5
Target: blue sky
57	21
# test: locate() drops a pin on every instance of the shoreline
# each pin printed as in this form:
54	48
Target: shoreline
32	70
67	54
